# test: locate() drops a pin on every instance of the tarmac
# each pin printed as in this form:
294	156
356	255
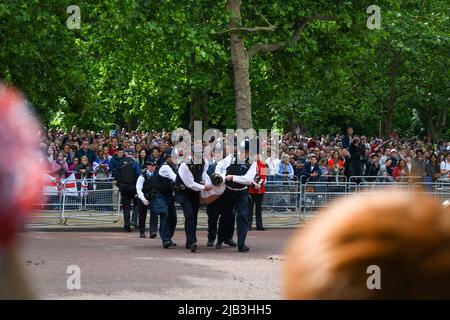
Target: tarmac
119	265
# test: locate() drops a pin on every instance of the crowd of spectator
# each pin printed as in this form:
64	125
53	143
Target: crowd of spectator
325	157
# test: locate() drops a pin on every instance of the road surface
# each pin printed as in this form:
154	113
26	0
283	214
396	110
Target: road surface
116	265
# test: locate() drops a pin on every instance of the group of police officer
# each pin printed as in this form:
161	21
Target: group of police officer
158	188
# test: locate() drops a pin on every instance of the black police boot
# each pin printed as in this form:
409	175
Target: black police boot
230	242
141	234
219	245
153	235
210	244
261	229
166	244
127	228
193	247
244	248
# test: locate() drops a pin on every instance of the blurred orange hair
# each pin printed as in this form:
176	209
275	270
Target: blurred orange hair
406	235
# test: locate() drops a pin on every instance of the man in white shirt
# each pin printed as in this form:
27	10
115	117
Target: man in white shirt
144	188
237	177
164	181
188	181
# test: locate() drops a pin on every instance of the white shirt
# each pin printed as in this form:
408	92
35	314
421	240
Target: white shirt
140	184
273	166
166	172
246	179
188	178
445	165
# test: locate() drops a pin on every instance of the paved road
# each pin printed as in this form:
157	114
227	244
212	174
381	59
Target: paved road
116	265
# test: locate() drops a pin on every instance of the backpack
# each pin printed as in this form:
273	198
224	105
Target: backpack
127	174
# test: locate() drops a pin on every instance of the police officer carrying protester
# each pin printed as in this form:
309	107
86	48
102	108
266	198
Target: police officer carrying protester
163	183
237	177
188	182
212	209
144	189
127	175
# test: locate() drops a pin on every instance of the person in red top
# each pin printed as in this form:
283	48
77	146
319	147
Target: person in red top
113	147
401	171
335	158
256	194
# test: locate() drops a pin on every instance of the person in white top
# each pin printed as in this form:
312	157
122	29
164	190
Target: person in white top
164	179
237	177
144	188
190	180
217	189
273	164
445	168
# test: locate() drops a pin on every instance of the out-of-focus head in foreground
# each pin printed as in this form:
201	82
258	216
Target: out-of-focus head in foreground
20	183
383	246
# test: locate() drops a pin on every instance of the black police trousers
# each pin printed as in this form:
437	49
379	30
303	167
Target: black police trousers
128	195
190	202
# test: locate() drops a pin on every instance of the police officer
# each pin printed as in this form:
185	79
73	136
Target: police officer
188	184
164	181
212	209
127	175
144	189
237	177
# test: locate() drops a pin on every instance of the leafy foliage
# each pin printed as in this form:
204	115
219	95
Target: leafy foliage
163	63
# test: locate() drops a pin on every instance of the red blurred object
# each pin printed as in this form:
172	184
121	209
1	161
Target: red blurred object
20	170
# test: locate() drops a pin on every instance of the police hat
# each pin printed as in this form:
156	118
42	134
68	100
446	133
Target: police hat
150	163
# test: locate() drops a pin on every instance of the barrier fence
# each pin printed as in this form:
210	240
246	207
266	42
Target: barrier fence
72	201
286	201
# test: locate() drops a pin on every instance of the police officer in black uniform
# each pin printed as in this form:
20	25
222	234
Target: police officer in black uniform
188	181
144	189
127	175
237	177
212	209
164	182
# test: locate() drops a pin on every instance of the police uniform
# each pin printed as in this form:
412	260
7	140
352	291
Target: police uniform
128	174
212	210
164	180
188	184
144	189
235	197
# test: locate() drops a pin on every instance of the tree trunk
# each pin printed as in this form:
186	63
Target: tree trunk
240	62
434	128
132	123
392	97
198	108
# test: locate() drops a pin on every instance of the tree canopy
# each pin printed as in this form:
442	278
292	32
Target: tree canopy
157	64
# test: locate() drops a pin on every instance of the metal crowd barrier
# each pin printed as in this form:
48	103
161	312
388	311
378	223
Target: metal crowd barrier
360	179
96	200
289	201
317	195
47	211
78	201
